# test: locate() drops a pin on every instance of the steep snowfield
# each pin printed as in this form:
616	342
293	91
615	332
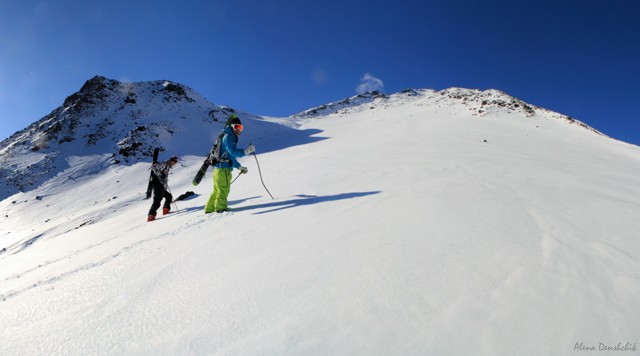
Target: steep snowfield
397	229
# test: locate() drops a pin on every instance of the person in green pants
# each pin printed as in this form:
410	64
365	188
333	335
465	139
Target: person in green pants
228	156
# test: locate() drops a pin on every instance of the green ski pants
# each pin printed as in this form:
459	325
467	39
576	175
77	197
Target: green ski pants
221	188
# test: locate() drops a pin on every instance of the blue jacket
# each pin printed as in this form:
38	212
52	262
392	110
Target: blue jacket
228	150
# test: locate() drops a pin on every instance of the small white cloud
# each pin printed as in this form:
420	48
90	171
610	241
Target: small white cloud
369	84
319	76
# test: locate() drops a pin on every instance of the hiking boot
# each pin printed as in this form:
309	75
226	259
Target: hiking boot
151	218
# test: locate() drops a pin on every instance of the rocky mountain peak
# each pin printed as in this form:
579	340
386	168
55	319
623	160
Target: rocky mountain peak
125	121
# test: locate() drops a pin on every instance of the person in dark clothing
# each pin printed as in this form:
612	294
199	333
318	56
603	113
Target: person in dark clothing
160	183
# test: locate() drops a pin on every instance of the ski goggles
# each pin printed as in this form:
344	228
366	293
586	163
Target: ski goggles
237	127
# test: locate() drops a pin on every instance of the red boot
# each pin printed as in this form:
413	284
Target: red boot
151	218
165	211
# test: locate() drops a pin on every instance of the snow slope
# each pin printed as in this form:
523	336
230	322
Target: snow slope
403	225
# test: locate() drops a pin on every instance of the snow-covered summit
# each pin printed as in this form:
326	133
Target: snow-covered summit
124	121
480	102
104	108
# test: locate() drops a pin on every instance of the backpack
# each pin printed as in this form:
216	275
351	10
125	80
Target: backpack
214	154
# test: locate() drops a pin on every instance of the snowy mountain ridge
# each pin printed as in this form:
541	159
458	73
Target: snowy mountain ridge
420	226
128	120
479	102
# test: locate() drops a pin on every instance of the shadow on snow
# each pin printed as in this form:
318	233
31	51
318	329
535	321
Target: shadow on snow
301	200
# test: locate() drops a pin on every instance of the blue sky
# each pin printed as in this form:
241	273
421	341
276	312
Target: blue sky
578	57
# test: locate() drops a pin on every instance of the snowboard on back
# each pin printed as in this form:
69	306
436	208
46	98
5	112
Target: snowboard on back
202	171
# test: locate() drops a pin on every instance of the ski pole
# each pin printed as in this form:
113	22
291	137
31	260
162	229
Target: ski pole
172	201
236	178
260	172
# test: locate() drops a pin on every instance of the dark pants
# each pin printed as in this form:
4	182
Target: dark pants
158	193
